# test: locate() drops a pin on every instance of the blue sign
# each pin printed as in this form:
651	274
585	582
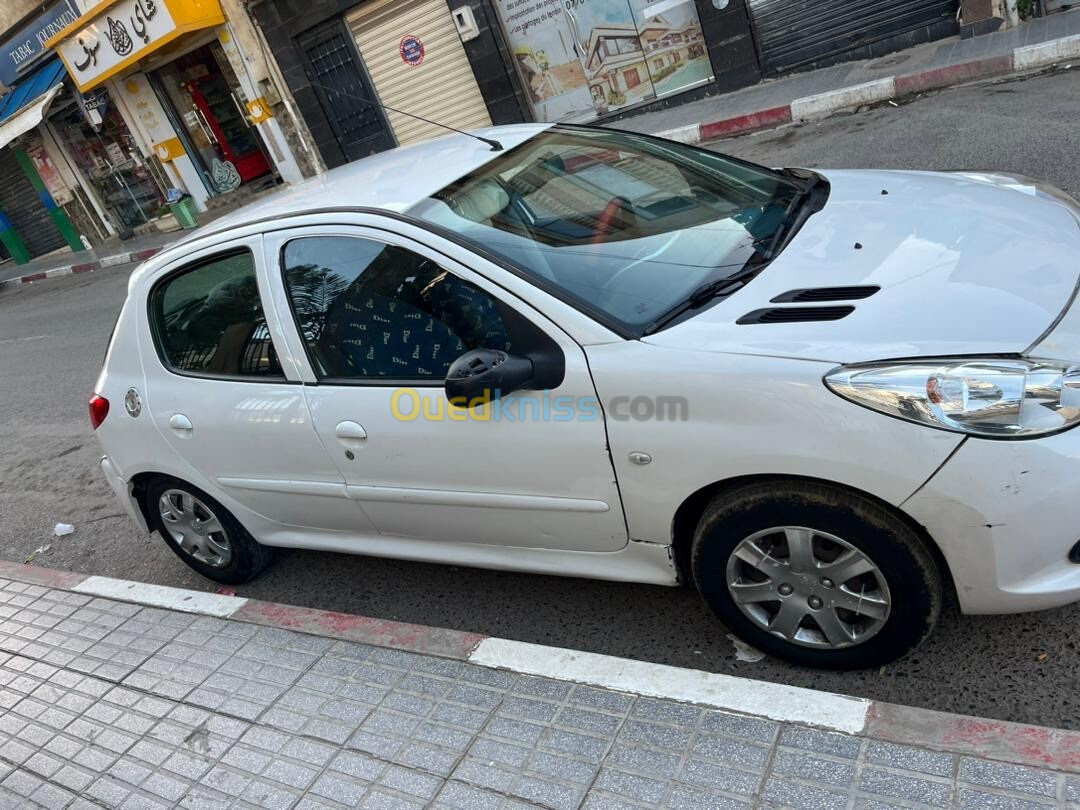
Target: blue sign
412	50
20	52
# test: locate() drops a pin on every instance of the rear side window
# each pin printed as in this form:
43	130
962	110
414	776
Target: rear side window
209	320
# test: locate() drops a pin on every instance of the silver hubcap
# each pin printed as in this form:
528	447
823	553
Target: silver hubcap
194	528
808	587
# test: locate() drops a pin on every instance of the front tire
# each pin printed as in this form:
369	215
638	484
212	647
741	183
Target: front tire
203	533
816	574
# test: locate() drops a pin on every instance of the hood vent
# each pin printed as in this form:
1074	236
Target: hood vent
814	295
795	314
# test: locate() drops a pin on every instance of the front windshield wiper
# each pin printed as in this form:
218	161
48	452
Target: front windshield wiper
709	291
794	216
802	204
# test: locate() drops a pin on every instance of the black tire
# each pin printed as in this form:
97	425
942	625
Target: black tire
247	556
909	569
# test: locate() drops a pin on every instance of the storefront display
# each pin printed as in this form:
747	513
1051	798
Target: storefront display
205	101
129	187
579	59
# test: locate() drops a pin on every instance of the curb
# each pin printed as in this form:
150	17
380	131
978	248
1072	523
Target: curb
85	267
822	105
1034	746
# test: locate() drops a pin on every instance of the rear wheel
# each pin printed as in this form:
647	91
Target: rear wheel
203	533
816	574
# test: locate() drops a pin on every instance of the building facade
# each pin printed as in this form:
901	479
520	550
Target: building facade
467	63
112	110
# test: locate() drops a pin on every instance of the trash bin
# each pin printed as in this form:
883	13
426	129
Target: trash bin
185	212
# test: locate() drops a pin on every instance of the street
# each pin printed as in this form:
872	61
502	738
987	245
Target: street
1021	668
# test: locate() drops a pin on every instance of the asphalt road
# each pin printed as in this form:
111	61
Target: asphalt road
53	337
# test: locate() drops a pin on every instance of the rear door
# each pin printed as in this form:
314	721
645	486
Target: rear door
380	318
224	399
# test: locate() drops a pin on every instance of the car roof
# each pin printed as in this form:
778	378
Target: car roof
393	180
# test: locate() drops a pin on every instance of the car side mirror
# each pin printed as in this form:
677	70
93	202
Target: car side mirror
487	374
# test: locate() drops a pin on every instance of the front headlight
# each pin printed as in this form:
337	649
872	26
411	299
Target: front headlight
997	399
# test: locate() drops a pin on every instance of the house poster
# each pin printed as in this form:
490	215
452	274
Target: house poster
582	58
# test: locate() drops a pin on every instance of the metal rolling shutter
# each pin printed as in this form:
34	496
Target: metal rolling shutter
24	208
442	88
798	33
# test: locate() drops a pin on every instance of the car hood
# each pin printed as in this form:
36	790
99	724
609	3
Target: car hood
966	263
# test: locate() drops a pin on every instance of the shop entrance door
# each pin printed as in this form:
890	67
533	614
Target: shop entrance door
590	57
204	95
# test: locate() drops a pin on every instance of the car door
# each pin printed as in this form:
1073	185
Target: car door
379	319
224	398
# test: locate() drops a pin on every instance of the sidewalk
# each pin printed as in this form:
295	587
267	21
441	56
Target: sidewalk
1039	43
65	263
117	694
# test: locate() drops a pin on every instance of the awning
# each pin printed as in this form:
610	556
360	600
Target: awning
25	106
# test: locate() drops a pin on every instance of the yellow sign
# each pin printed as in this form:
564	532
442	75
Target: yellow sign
169	149
259	110
116	34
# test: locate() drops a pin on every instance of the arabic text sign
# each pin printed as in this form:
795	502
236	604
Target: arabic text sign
124	30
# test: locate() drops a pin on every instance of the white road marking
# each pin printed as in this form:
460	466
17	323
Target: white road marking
206	604
775	701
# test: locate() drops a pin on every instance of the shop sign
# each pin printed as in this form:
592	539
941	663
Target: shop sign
412	50
20	52
102	43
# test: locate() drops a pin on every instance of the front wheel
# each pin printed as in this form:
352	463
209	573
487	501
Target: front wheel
203	533
816	574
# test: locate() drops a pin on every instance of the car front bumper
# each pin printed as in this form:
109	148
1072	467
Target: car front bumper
123	493
1005	515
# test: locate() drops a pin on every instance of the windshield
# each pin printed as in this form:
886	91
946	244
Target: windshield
627	225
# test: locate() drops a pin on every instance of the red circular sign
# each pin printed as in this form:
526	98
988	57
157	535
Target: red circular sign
412	50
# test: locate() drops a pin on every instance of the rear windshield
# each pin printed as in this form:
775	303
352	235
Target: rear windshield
626	224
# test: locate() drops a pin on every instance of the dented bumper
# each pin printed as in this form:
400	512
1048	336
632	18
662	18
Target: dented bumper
1005	515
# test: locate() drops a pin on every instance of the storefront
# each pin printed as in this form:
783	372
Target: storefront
468	63
129	185
37	206
797	35
177	109
201	96
586	58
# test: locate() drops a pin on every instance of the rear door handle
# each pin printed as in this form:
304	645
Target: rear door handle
180	422
350	432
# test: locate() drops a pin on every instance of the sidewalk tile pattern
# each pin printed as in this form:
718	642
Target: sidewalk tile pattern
108	704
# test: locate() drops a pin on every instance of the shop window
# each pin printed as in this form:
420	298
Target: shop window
563	85
130	186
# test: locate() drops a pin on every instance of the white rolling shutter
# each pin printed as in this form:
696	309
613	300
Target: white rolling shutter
442	88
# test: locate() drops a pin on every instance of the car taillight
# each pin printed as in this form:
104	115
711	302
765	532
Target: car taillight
99	409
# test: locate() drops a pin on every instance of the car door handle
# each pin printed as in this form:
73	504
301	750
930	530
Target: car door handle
180	422
350	432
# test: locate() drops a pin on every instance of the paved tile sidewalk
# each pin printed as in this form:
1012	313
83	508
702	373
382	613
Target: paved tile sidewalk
110	704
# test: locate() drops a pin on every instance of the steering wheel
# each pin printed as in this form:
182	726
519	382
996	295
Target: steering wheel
616	206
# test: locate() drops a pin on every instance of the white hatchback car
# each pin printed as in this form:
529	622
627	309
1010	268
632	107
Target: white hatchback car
823	399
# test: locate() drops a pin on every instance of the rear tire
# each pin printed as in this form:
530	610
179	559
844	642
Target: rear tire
816	574
203	533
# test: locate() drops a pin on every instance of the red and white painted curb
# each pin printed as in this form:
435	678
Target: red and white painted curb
810	108
1035	746
85	267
